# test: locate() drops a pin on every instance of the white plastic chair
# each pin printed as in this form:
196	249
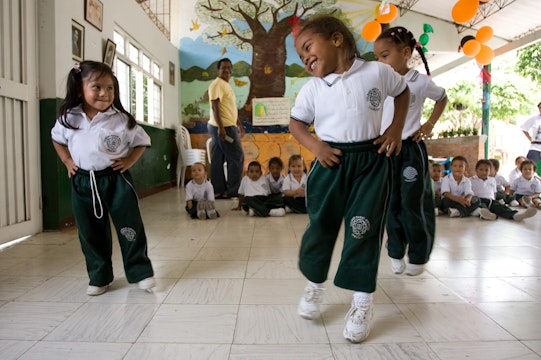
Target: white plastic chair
209	156
186	155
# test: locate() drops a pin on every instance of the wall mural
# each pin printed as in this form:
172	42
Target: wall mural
257	37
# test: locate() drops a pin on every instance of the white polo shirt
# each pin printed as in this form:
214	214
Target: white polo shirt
533	126
347	107
485	189
275	185
248	187
197	192
421	88
95	144
290	183
449	185
523	186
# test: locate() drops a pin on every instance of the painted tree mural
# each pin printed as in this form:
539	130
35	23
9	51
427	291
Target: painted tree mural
261	26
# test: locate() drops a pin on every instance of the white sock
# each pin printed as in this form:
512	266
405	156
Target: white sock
362	298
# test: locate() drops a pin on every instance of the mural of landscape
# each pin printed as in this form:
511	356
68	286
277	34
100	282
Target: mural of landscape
257	37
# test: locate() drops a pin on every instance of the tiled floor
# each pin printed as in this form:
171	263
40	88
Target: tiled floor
228	289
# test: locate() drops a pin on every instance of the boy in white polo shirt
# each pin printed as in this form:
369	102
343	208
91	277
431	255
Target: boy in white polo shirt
457	194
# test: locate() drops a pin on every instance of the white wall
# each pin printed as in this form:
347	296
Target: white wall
55	18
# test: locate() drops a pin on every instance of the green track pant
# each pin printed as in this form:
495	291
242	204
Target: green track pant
119	200
357	192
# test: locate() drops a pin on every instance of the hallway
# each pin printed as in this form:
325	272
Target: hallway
228	289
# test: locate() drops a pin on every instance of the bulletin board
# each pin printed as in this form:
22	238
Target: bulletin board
271	111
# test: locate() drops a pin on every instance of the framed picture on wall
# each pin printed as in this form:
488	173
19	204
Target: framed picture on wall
171	73
94	13
77	41
109	53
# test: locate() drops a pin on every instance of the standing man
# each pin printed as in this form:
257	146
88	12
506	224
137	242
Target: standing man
226	131
532	129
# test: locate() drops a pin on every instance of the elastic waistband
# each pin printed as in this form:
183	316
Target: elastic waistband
104	172
356	146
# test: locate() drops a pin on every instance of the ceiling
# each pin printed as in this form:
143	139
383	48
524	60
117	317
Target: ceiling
516	24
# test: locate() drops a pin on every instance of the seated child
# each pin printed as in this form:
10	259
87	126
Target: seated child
275	176
457	195
527	187
436	173
294	186
254	193
515	173
502	185
200	194
484	187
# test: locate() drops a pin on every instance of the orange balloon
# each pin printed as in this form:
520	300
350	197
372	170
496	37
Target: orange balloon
484	34
389	17
485	55
484	1
371	30
464	10
471	48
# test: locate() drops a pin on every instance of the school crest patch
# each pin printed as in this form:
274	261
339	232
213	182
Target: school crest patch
374	98
359	226
128	233
410	174
111	142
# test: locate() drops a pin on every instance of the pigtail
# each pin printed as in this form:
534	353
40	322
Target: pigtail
419	49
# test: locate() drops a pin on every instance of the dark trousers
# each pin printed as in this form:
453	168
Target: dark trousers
497	208
261	204
296	204
230	152
119	201
411	220
355	192
464	210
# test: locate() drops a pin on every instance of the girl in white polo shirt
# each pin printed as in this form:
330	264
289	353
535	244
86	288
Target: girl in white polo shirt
350	181
98	141
527	187
411	219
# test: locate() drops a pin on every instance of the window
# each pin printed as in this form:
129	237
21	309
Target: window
140	80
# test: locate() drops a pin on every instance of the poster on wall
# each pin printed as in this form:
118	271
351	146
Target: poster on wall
271	111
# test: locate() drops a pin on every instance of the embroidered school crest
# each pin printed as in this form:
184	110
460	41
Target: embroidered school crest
111	142
410	174
374	98
128	233
359	226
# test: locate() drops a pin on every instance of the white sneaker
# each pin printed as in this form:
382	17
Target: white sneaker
436	212
277	212
251	212
147	284
96	290
210	208
414	269
358	322
501	201
527	201
398	265
454	212
487	214
309	304
514	203
288	210
476	212
201	213
528	213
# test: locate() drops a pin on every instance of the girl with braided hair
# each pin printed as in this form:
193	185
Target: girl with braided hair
411	216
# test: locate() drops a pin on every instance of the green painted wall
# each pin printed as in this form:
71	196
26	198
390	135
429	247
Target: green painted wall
156	168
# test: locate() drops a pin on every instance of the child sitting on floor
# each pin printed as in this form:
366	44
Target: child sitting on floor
457	195
275	178
254	193
200	194
527	187
503	194
294	186
484	187
436	173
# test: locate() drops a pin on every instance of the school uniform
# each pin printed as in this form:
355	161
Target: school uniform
524	187
346	111
411	219
275	187
256	196
485	190
99	191
450	185
501	184
296	203
196	192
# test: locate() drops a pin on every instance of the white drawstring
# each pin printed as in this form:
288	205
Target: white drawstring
95	194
